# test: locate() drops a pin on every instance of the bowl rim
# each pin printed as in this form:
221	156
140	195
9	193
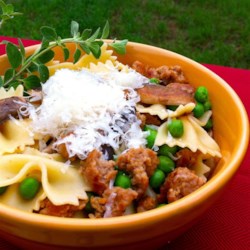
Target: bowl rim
157	214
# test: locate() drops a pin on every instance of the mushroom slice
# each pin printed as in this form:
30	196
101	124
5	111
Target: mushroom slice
10	106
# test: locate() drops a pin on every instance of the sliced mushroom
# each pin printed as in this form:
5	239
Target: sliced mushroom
172	94
10	106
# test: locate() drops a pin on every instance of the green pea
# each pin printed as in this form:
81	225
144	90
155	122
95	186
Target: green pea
29	187
122	180
157	179
151	137
201	94
154	80
176	128
166	164
3	189
172	107
209	124
207	105
88	208
166	150
198	110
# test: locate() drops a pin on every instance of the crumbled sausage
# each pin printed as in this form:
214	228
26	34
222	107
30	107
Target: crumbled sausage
98	204
172	94
186	158
164	73
97	171
140	163
179	183
146	203
118	199
67	210
10	106
113	203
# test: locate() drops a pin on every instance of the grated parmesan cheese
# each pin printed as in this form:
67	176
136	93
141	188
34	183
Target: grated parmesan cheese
85	110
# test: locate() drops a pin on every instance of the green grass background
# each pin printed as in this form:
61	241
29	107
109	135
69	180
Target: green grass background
208	31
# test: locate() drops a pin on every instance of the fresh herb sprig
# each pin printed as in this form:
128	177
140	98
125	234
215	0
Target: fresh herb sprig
23	68
7	12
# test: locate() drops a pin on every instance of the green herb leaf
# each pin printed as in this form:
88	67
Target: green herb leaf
43	72
86	33
46	57
8	9
119	47
74	28
66	53
14	55
32	67
21	47
94	36
45	44
85	47
7	12
2	4
1	81
95	48
77	55
14	84
32	82
9	74
48	33
105	31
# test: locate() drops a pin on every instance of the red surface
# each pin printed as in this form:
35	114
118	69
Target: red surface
227	224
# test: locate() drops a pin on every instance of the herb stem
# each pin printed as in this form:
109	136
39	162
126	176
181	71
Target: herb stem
22	65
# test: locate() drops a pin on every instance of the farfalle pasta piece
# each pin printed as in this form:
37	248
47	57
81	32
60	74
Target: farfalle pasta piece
102	67
200	168
62	185
109	66
106	55
194	137
12	198
202	121
85	61
14	136
11	92
162	112
34	151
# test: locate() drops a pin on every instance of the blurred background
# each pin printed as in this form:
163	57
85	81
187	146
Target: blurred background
211	31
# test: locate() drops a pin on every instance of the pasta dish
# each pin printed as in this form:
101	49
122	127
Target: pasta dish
102	139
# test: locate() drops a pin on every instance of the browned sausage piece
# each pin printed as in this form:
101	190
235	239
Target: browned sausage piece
97	171
146	203
113	203
140	164
179	183
10	106
172	94
67	210
166	74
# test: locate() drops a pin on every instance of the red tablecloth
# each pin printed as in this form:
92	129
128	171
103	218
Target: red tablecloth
227	224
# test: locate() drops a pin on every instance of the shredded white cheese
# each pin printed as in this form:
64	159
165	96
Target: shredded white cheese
85	110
